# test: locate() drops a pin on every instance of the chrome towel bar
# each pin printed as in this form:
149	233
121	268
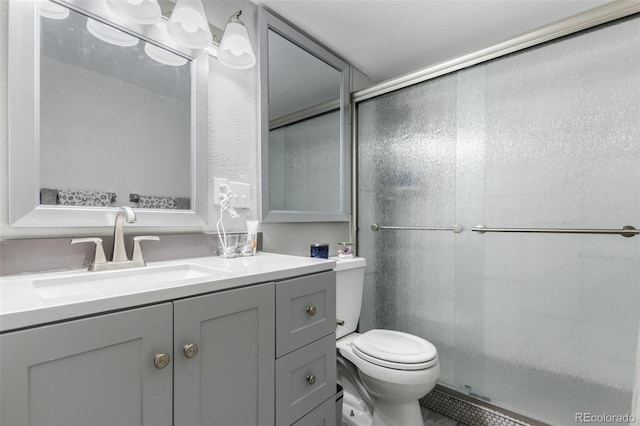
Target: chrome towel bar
626	231
455	228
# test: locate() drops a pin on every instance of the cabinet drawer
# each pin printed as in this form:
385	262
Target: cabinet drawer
305	311
304	379
324	415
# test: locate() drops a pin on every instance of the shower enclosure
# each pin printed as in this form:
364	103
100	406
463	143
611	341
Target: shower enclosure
542	324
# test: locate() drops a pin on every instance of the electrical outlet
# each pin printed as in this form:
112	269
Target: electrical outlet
243	195
219	188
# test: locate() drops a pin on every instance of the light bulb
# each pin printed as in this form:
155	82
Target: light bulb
235	48
188	25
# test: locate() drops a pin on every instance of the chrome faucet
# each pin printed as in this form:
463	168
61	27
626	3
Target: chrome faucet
119	252
120	260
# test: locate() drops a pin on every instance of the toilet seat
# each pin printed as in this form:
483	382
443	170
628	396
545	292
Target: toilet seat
395	349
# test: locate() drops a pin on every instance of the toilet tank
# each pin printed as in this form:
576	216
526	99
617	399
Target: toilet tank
349	287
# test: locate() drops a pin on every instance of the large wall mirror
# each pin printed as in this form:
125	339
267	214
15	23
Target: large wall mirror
103	114
305	144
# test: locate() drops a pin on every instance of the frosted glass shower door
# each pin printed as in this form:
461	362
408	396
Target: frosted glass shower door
550	138
407	174
544	325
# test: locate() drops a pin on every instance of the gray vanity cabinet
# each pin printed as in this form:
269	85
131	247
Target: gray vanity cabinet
92	371
101	370
306	350
230	380
222	358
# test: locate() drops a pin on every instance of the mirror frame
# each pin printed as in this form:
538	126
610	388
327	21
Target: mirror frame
25	209
268	21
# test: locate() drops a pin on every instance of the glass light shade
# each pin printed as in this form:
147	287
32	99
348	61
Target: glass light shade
235	48
163	56
52	10
109	34
144	12
188	25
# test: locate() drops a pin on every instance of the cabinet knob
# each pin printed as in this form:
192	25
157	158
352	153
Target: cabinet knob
161	360
311	310
190	350
311	379
340	322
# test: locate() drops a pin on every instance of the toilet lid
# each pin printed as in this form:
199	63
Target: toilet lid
394	349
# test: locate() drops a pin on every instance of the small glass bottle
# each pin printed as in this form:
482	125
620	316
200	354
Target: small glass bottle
345	250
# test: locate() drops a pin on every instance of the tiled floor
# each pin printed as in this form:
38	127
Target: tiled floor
431	418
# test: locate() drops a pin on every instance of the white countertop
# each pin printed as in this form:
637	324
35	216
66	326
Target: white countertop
31	299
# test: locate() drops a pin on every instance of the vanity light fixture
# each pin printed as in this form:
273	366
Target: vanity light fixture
51	10
144	12
163	56
235	48
212	50
109	34
188	24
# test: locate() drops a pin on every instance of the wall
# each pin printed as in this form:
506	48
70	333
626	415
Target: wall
233	148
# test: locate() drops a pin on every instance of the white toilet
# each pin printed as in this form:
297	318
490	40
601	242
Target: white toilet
383	372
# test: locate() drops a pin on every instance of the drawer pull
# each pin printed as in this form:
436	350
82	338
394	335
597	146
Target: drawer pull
311	310
190	350
311	379
161	360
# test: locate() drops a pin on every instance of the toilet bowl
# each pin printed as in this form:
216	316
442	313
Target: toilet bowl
383	372
386	378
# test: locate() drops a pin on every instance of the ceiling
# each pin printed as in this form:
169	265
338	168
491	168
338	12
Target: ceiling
388	38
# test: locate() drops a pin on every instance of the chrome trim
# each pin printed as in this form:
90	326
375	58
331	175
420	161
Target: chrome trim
626	231
455	228
484	405
590	18
355	167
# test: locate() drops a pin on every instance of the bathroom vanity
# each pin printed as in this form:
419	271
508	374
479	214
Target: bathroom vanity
246	341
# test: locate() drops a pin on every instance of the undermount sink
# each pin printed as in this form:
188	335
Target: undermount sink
139	279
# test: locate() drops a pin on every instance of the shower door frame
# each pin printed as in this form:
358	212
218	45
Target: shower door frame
603	14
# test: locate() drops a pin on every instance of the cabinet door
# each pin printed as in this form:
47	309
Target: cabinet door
230	380
93	371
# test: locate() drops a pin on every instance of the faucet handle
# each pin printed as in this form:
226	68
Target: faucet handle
99	257
137	250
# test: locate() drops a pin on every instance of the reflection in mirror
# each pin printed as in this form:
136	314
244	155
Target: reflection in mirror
305	139
305	166
103	113
114	118
298	80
